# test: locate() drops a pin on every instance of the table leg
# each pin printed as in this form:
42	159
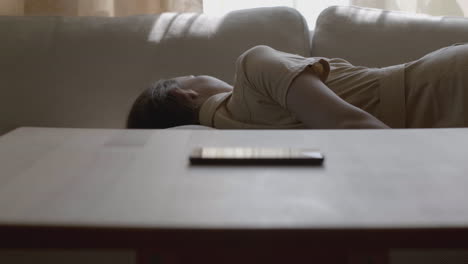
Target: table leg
368	256
244	256
152	256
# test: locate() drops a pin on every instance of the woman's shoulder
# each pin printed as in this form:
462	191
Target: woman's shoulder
259	48
256	52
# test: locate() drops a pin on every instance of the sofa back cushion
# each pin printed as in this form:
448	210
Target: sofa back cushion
87	71
372	37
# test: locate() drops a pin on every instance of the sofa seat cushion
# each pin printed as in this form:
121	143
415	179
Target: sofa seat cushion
377	38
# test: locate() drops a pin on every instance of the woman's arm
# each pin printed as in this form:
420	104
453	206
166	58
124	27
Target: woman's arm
315	105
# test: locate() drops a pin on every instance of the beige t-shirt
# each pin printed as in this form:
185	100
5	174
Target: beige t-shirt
258	100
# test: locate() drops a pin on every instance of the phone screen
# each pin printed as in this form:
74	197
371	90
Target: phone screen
253	156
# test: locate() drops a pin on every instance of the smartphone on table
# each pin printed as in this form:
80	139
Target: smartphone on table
255	156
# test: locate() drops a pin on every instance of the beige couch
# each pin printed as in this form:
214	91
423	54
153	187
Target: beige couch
86	71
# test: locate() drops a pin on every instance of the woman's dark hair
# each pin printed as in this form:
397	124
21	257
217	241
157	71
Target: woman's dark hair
157	107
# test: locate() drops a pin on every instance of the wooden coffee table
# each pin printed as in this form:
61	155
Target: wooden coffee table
122	189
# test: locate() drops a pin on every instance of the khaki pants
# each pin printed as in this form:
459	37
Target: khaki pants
436	89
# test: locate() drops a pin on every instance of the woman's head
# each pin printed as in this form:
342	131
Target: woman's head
174	102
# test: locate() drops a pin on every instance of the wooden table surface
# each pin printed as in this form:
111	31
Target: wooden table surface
122	188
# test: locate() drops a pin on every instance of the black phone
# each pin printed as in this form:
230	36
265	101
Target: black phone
255	156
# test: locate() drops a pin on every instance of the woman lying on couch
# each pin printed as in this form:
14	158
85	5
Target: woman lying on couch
277	90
